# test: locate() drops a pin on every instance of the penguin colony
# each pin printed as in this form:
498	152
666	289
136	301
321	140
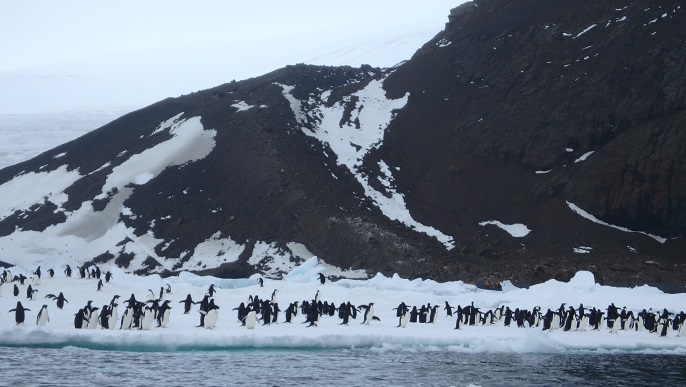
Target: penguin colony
156	309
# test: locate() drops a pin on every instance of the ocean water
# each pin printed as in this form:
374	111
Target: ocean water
73	366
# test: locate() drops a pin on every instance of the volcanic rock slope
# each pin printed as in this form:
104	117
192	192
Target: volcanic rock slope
526	141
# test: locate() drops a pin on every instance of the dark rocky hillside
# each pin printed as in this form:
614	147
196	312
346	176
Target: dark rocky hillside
518	112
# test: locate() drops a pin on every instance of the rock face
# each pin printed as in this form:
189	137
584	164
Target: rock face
549	117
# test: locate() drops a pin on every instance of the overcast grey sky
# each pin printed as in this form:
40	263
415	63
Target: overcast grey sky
36	32
85	55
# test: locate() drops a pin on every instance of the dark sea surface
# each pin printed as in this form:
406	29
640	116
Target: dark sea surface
72	366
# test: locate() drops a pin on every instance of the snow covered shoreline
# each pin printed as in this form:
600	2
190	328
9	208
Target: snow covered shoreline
182	333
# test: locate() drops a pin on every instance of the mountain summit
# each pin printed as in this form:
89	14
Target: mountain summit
526	141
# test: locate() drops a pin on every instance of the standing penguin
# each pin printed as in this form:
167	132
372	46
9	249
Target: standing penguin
93	318
211	290
16	290
108	276
432	314
60	299
404	315
211	315
99	285
369	313
322	279
148	316
42	318
19	313
250	319
422	314
29	292
36	276
404	319
203	309
458	319
163	314
312	316
260	282
113	316
414	314
105	313
51	272
67	271
448	309
79	318
242	311
187	303
291	311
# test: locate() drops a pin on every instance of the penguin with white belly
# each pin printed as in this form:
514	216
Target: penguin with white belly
369	313
211	315
42	318
163	314
250	318
113	317
93	318
148	316
127	318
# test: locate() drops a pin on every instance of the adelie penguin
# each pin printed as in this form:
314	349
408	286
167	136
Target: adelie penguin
79	319
127	318
93	318
30	292
448	309
369	313
291	311
42	318
187	303
312	317
19	313
148	316
113	315
322	278
211	315
404	315
36	276
16	290
163	314
105	314
60	299
250	319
